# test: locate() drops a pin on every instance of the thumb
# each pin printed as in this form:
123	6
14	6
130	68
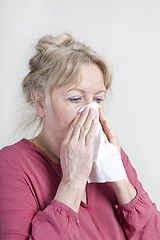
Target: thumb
110	134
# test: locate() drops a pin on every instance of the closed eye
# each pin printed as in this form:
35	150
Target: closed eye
98	100
75	99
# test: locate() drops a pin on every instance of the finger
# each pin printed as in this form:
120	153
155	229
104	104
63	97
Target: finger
101	116
75	127
112	138
106	127
87	124
71	127
91	133
104	122
108	130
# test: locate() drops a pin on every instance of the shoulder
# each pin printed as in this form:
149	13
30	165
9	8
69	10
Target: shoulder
26	158
19	154
13	151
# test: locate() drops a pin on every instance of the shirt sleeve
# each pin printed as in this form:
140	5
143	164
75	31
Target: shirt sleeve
57	221
20	216
140	218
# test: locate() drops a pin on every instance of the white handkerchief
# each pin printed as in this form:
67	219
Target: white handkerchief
107	163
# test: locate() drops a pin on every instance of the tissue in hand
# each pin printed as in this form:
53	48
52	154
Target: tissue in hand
107	164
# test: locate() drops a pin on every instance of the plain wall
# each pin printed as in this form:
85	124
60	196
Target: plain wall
125	32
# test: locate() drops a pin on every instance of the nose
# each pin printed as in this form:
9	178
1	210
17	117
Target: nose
89	100
92	105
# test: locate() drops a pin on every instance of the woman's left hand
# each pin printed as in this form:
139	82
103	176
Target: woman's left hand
123	189
110	134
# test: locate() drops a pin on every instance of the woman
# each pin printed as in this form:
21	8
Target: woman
44	189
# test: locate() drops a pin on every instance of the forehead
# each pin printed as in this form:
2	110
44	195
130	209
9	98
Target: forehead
89	80
90	76
91	71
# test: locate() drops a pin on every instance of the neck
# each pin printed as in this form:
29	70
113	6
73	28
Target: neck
48	145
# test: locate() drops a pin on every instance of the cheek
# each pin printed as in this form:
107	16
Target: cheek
64	121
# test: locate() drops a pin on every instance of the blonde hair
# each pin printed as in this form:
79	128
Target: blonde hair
58	61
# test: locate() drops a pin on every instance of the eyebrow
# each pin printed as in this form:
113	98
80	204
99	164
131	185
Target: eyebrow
78	89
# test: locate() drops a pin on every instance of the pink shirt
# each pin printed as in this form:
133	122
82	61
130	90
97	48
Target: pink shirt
28	183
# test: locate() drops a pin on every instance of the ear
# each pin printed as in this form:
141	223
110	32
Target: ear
38	100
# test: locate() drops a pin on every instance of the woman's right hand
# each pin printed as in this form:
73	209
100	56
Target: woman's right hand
77	158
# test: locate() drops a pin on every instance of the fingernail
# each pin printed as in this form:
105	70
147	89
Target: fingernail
95	121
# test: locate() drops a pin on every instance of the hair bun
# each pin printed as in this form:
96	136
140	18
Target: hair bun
47	43
58	41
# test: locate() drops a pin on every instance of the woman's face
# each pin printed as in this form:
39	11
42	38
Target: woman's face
67	100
